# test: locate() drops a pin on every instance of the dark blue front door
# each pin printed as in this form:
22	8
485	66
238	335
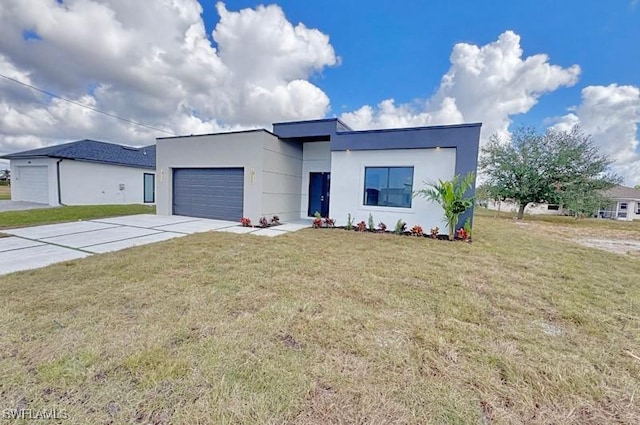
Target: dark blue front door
319	193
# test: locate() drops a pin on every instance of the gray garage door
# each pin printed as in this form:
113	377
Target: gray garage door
209	192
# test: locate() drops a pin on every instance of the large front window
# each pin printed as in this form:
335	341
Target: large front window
388	186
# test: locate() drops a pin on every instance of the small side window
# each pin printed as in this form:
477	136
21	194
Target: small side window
149	188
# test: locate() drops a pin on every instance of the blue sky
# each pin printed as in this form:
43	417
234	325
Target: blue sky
189	66
402	52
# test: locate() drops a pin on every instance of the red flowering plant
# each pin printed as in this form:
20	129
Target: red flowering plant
416	230
462	234
246	222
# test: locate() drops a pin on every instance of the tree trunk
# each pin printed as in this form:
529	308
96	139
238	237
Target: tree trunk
521	211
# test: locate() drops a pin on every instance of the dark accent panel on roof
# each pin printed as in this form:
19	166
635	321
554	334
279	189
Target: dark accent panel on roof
450	136
305	129
95	151
313	128
308	139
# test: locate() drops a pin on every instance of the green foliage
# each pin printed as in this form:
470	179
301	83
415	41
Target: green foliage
555	167
450	194
583	203
400	228
370	224
467	227
486	193
317	215
349	225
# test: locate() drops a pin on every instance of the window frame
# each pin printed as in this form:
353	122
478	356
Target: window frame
144	188
388	168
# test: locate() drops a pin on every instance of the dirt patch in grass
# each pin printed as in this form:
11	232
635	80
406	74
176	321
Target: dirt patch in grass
612	245
619	237
318	327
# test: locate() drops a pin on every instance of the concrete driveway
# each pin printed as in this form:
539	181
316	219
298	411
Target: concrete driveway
20	205
38	246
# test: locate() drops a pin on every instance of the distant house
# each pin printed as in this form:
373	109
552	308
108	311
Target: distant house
86	172
625	204
535	209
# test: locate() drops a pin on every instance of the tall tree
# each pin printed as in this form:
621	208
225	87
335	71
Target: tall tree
554	167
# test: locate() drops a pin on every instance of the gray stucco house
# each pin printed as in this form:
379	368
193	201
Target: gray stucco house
299	168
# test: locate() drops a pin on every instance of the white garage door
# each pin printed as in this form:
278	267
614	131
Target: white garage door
33	184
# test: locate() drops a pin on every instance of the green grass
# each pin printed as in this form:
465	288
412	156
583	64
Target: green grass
5	192
12	219
328	326
584	223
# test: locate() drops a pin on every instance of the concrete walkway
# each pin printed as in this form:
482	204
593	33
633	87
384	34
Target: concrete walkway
38	246
6	205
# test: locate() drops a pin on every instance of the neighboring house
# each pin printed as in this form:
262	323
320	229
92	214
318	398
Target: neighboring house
86	172
535	209
625	204
303	167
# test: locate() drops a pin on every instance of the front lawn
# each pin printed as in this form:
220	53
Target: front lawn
5	192
12	219
329	326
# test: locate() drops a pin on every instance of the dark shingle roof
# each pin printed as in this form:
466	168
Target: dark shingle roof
95	151
623	192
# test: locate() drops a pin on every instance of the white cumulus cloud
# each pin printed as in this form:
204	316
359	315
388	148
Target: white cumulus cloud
152	62
611	115
485	84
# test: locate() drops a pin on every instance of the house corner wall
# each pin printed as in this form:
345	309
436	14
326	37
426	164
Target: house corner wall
281	178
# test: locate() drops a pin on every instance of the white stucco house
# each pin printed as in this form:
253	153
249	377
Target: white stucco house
625	204
302	167
85	172
535	209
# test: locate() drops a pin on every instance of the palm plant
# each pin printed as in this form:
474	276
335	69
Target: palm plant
450	194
